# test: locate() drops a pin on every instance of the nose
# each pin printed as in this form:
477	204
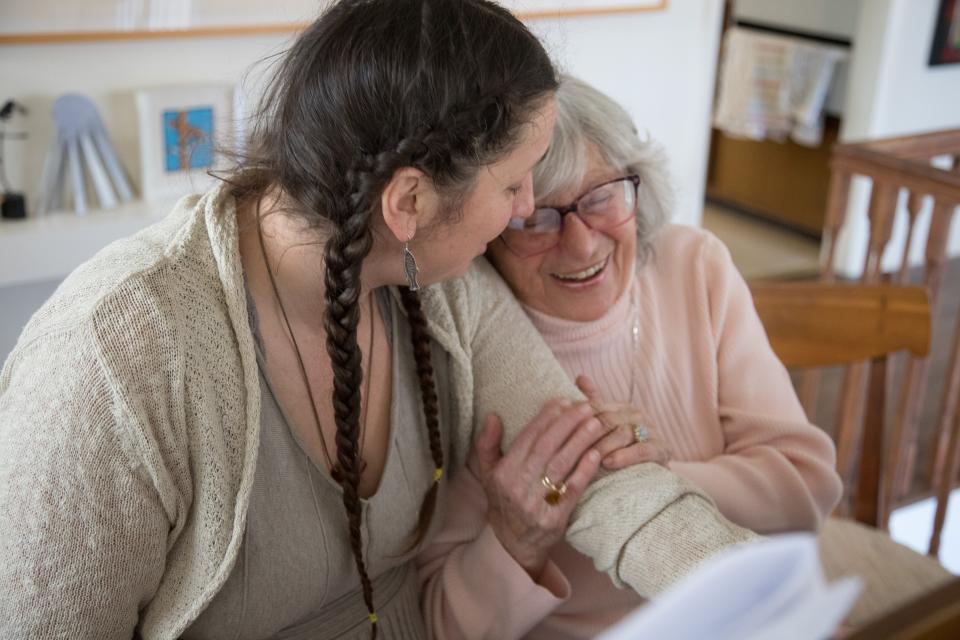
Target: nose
576	238
524	204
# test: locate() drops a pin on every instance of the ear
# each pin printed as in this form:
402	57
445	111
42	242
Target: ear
408	202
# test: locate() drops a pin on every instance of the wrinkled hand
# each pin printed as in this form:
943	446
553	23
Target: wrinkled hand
558	443
619	448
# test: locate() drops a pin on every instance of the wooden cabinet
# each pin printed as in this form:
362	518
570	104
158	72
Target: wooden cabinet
784	182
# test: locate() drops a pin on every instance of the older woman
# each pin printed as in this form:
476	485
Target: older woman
658	318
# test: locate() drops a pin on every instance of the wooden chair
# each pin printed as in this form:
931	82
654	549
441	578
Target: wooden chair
901	166
815	324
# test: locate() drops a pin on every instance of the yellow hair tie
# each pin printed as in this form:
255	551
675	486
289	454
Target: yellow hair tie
437	474
373	617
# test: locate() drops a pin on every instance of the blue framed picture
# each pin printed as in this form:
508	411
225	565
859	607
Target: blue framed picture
187	132
188	137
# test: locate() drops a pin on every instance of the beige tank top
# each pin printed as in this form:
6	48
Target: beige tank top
295	577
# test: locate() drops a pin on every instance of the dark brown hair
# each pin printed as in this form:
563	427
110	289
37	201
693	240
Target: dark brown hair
370	87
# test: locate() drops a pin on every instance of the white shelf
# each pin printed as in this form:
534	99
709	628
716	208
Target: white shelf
50	247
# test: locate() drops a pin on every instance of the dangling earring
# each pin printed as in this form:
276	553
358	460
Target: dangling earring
410	267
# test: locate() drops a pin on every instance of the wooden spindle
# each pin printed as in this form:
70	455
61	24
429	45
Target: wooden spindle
903	440
945	461
883	201
836	214
944	482
837	199
914	206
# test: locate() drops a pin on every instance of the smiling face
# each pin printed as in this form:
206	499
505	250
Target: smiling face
581	277
501	191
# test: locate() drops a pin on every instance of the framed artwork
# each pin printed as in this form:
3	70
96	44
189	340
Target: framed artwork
184	131
532	9
946	34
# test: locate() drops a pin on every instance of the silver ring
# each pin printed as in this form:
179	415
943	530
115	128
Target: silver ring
640	433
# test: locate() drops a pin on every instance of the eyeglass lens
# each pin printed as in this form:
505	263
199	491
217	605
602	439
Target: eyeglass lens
601	208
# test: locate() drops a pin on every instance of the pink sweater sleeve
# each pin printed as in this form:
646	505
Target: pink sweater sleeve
776	472
470	586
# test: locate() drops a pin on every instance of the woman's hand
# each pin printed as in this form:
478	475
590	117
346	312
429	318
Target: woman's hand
621	447
556	444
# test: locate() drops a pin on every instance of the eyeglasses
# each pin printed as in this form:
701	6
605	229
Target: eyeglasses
602	208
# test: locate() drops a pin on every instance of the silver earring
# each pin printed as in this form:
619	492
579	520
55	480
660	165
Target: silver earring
410	268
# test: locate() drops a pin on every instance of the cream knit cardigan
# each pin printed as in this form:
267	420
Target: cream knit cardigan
129	423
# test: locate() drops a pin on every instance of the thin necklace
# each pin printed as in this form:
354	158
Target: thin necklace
336	471
635	340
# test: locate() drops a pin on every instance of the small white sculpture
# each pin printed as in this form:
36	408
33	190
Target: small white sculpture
81	143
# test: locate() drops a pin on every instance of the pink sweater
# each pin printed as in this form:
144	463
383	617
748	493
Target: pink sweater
706	378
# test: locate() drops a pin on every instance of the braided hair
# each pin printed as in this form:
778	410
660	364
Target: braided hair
370	87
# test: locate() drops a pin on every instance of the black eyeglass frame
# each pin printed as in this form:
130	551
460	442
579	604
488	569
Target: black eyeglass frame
572	208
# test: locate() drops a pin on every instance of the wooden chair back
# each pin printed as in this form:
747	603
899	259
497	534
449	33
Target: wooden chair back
908	175
815	324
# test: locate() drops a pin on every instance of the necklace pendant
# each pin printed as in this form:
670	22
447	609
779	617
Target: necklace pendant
336	471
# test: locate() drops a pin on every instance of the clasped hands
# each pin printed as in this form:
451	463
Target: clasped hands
533	486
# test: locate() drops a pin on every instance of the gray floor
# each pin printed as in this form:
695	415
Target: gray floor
17	304
762	251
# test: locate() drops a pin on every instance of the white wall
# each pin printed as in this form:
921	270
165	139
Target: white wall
660	65
834	17
892	92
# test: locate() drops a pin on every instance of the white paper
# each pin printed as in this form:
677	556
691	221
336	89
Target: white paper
773	588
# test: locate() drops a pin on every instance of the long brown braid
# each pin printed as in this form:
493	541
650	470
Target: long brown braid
373	86
431	405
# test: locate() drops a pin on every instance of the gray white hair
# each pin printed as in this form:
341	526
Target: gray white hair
585	116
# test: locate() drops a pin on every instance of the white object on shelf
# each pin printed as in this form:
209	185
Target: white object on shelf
50	247
81	141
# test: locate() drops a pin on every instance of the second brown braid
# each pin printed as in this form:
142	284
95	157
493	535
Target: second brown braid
428	391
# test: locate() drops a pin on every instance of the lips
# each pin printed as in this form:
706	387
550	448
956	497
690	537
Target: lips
583	275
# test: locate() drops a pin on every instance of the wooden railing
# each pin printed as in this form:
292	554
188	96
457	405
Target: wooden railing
896	165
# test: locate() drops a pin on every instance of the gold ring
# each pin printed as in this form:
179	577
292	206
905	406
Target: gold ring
554	492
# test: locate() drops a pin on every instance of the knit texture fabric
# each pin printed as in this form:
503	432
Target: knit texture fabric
129	423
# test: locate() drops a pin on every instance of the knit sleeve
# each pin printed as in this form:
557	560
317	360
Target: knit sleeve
506	603
776	472
83	539
643	526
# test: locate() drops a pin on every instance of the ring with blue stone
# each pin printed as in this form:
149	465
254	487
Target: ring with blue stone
640	433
